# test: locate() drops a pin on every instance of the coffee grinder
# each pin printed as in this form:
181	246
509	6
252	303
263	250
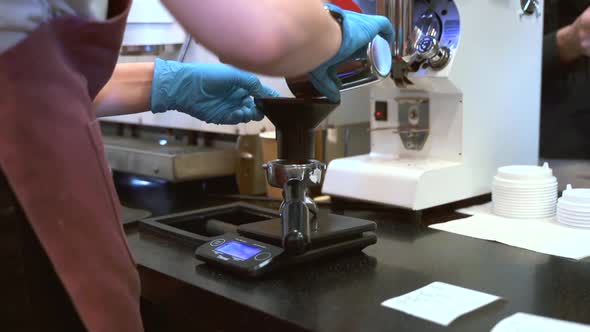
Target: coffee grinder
454	110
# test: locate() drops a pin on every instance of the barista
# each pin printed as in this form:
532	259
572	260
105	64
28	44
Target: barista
565	111
67	266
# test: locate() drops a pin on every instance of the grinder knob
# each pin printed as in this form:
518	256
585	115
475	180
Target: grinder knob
429	49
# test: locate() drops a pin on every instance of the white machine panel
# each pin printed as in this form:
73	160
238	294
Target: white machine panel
484	112
149	23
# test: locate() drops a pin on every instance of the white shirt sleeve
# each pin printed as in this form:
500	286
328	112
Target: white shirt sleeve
19	17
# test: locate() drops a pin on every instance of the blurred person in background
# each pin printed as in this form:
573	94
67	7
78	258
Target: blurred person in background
565	110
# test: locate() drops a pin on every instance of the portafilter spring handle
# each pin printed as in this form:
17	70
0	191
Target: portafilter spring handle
297	211
295	218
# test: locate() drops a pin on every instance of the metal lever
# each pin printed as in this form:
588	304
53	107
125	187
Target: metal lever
400	130
314	211
399	73
184	49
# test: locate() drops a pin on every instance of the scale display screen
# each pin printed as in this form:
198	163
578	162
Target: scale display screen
238	250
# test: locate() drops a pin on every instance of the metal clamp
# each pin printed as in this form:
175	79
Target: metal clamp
414	118
530	7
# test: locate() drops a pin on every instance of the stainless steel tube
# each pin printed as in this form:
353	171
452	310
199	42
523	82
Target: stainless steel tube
401	15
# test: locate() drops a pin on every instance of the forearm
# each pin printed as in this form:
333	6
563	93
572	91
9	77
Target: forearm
568	44
128	91
296	57
272	37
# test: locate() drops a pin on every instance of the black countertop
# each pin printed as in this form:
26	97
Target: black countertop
344	294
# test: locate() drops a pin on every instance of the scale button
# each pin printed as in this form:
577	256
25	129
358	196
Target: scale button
262	256
223	258
217	242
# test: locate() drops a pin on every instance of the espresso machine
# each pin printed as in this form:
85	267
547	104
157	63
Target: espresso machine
463	99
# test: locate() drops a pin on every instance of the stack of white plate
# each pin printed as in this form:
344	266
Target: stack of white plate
573	208
524	192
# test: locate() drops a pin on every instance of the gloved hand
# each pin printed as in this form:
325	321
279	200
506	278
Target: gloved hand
214	93
357	31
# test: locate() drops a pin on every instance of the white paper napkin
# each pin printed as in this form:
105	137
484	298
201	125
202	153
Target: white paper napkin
521	322
546	236
439	302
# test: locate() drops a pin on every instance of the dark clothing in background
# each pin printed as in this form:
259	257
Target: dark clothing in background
565	107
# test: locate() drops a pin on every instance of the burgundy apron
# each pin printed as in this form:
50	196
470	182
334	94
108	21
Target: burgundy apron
51	153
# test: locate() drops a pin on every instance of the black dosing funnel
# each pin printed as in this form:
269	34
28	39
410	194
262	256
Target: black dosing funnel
294	120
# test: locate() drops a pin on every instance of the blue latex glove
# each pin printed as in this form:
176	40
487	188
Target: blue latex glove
214	93
357	31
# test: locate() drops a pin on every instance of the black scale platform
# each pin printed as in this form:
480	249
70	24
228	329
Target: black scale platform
335	235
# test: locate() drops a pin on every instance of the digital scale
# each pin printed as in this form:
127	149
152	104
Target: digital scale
241	254
238	254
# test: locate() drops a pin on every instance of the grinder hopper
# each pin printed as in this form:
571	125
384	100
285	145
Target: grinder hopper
295	120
